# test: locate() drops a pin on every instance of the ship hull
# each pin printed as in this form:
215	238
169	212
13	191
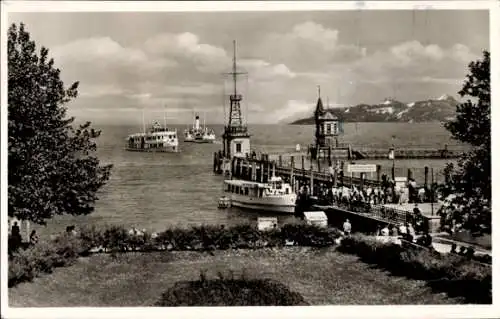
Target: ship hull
168	149
285	204
199	141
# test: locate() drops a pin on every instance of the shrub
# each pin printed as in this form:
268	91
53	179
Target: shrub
24	265
91	237
229	292
453	274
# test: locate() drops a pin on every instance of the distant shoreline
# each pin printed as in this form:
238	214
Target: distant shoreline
311	122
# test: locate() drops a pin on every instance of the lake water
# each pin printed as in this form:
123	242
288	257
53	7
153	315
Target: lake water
158	190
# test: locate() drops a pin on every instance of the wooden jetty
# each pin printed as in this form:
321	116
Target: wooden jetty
408	153
350	152
261	168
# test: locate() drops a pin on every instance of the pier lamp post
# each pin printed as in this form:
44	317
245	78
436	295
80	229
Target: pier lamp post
392	155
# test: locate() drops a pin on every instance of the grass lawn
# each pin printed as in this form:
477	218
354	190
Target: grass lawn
322	277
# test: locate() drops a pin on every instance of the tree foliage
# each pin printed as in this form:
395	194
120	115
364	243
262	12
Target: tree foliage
470	180
52	167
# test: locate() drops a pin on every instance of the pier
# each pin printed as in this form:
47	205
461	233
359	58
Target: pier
326	164
261	168
352	152
299	170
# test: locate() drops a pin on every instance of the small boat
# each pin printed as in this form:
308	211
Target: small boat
224	202
198	134
273	196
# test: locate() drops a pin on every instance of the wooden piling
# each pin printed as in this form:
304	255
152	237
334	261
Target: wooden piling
311	172
248	170
409	174
379	168
254	171
269	171
426	176
233	167
280	161
319	168
215	162
240	167
260	172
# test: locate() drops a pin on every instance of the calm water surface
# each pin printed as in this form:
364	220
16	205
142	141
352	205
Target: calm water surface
156	191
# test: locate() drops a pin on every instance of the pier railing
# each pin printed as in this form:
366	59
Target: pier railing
383	214
300	168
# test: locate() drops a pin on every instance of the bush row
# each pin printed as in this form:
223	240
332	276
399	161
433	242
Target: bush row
449	273
25	264
209	238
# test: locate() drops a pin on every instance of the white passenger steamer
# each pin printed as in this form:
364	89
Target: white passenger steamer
275	195
157	139
199	134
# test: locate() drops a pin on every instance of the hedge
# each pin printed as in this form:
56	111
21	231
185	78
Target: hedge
229	292
25	264
452	274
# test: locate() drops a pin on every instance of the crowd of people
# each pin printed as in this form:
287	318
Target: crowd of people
405	231
369	199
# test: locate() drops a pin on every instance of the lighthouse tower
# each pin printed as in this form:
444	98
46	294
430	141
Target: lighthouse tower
236	140
328	125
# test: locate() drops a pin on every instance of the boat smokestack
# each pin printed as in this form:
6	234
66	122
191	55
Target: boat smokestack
197	123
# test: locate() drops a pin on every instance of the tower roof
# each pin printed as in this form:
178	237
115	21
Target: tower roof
328	115
319	106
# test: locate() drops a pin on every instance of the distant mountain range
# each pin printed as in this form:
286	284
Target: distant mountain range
432	110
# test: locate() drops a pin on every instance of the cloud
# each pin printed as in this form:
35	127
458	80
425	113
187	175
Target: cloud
187	47
413	61
167	68
290	111
307	46
262	70
102	56
411	51
284	69
311	31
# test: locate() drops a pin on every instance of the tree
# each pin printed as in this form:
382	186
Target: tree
470	180
52	167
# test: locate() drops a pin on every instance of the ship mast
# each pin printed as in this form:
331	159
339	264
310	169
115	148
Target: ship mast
143	122
164	116
235	118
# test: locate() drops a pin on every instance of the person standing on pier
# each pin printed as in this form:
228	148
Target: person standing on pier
331	171
385	231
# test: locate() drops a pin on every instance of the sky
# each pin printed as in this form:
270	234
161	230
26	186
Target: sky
155	62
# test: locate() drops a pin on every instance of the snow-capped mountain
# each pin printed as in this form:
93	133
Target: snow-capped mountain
391	110
446	97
